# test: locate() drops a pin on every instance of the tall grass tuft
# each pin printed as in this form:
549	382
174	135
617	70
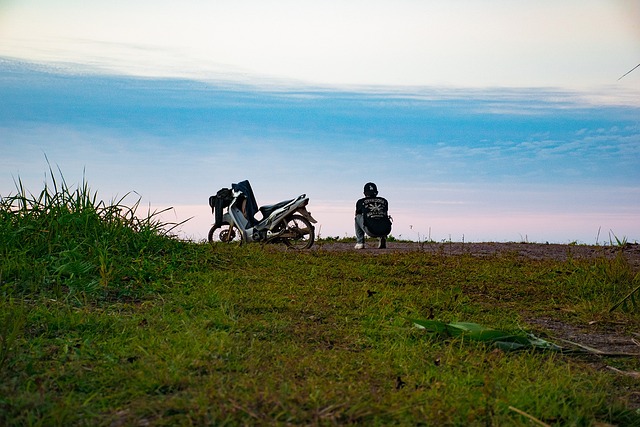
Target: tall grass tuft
600	285
66	242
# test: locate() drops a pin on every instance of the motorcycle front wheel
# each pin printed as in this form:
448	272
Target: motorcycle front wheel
299	232
224	233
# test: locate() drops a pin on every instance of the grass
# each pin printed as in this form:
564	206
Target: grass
107	320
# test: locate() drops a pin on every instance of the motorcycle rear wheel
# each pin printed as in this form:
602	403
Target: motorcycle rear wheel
299	233
224	233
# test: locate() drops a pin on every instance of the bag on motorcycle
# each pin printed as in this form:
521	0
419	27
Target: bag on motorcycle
221	200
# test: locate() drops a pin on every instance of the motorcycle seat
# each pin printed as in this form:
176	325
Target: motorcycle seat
267	210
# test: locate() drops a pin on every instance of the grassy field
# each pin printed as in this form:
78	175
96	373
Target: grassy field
105	320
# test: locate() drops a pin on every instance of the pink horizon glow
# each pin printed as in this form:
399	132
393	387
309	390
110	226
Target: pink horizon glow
584	228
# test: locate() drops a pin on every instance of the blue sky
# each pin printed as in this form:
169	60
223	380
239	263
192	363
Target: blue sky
482	121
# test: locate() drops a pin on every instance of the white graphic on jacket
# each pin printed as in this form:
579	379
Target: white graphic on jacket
375	207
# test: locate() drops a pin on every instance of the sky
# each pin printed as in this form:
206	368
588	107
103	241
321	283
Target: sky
479	120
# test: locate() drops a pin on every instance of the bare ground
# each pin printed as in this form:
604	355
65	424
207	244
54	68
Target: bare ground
557	252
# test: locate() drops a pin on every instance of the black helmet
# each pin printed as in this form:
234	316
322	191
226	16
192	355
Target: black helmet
370	189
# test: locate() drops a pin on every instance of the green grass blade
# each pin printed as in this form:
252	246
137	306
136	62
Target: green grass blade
630	296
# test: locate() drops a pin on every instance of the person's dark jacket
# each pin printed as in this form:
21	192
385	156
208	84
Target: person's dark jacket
375	212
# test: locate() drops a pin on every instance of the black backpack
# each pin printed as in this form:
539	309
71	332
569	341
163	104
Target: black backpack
221	200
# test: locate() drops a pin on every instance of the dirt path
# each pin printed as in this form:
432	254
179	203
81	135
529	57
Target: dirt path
529	250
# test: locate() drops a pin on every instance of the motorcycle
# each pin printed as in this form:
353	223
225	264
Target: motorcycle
234	211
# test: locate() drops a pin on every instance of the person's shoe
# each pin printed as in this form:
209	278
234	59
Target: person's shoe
359	246
383	243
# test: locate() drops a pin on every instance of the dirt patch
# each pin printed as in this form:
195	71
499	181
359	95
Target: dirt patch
609	338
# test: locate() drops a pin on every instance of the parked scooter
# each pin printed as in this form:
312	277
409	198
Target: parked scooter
287	222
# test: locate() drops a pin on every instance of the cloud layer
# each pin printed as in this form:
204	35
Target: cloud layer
451	160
